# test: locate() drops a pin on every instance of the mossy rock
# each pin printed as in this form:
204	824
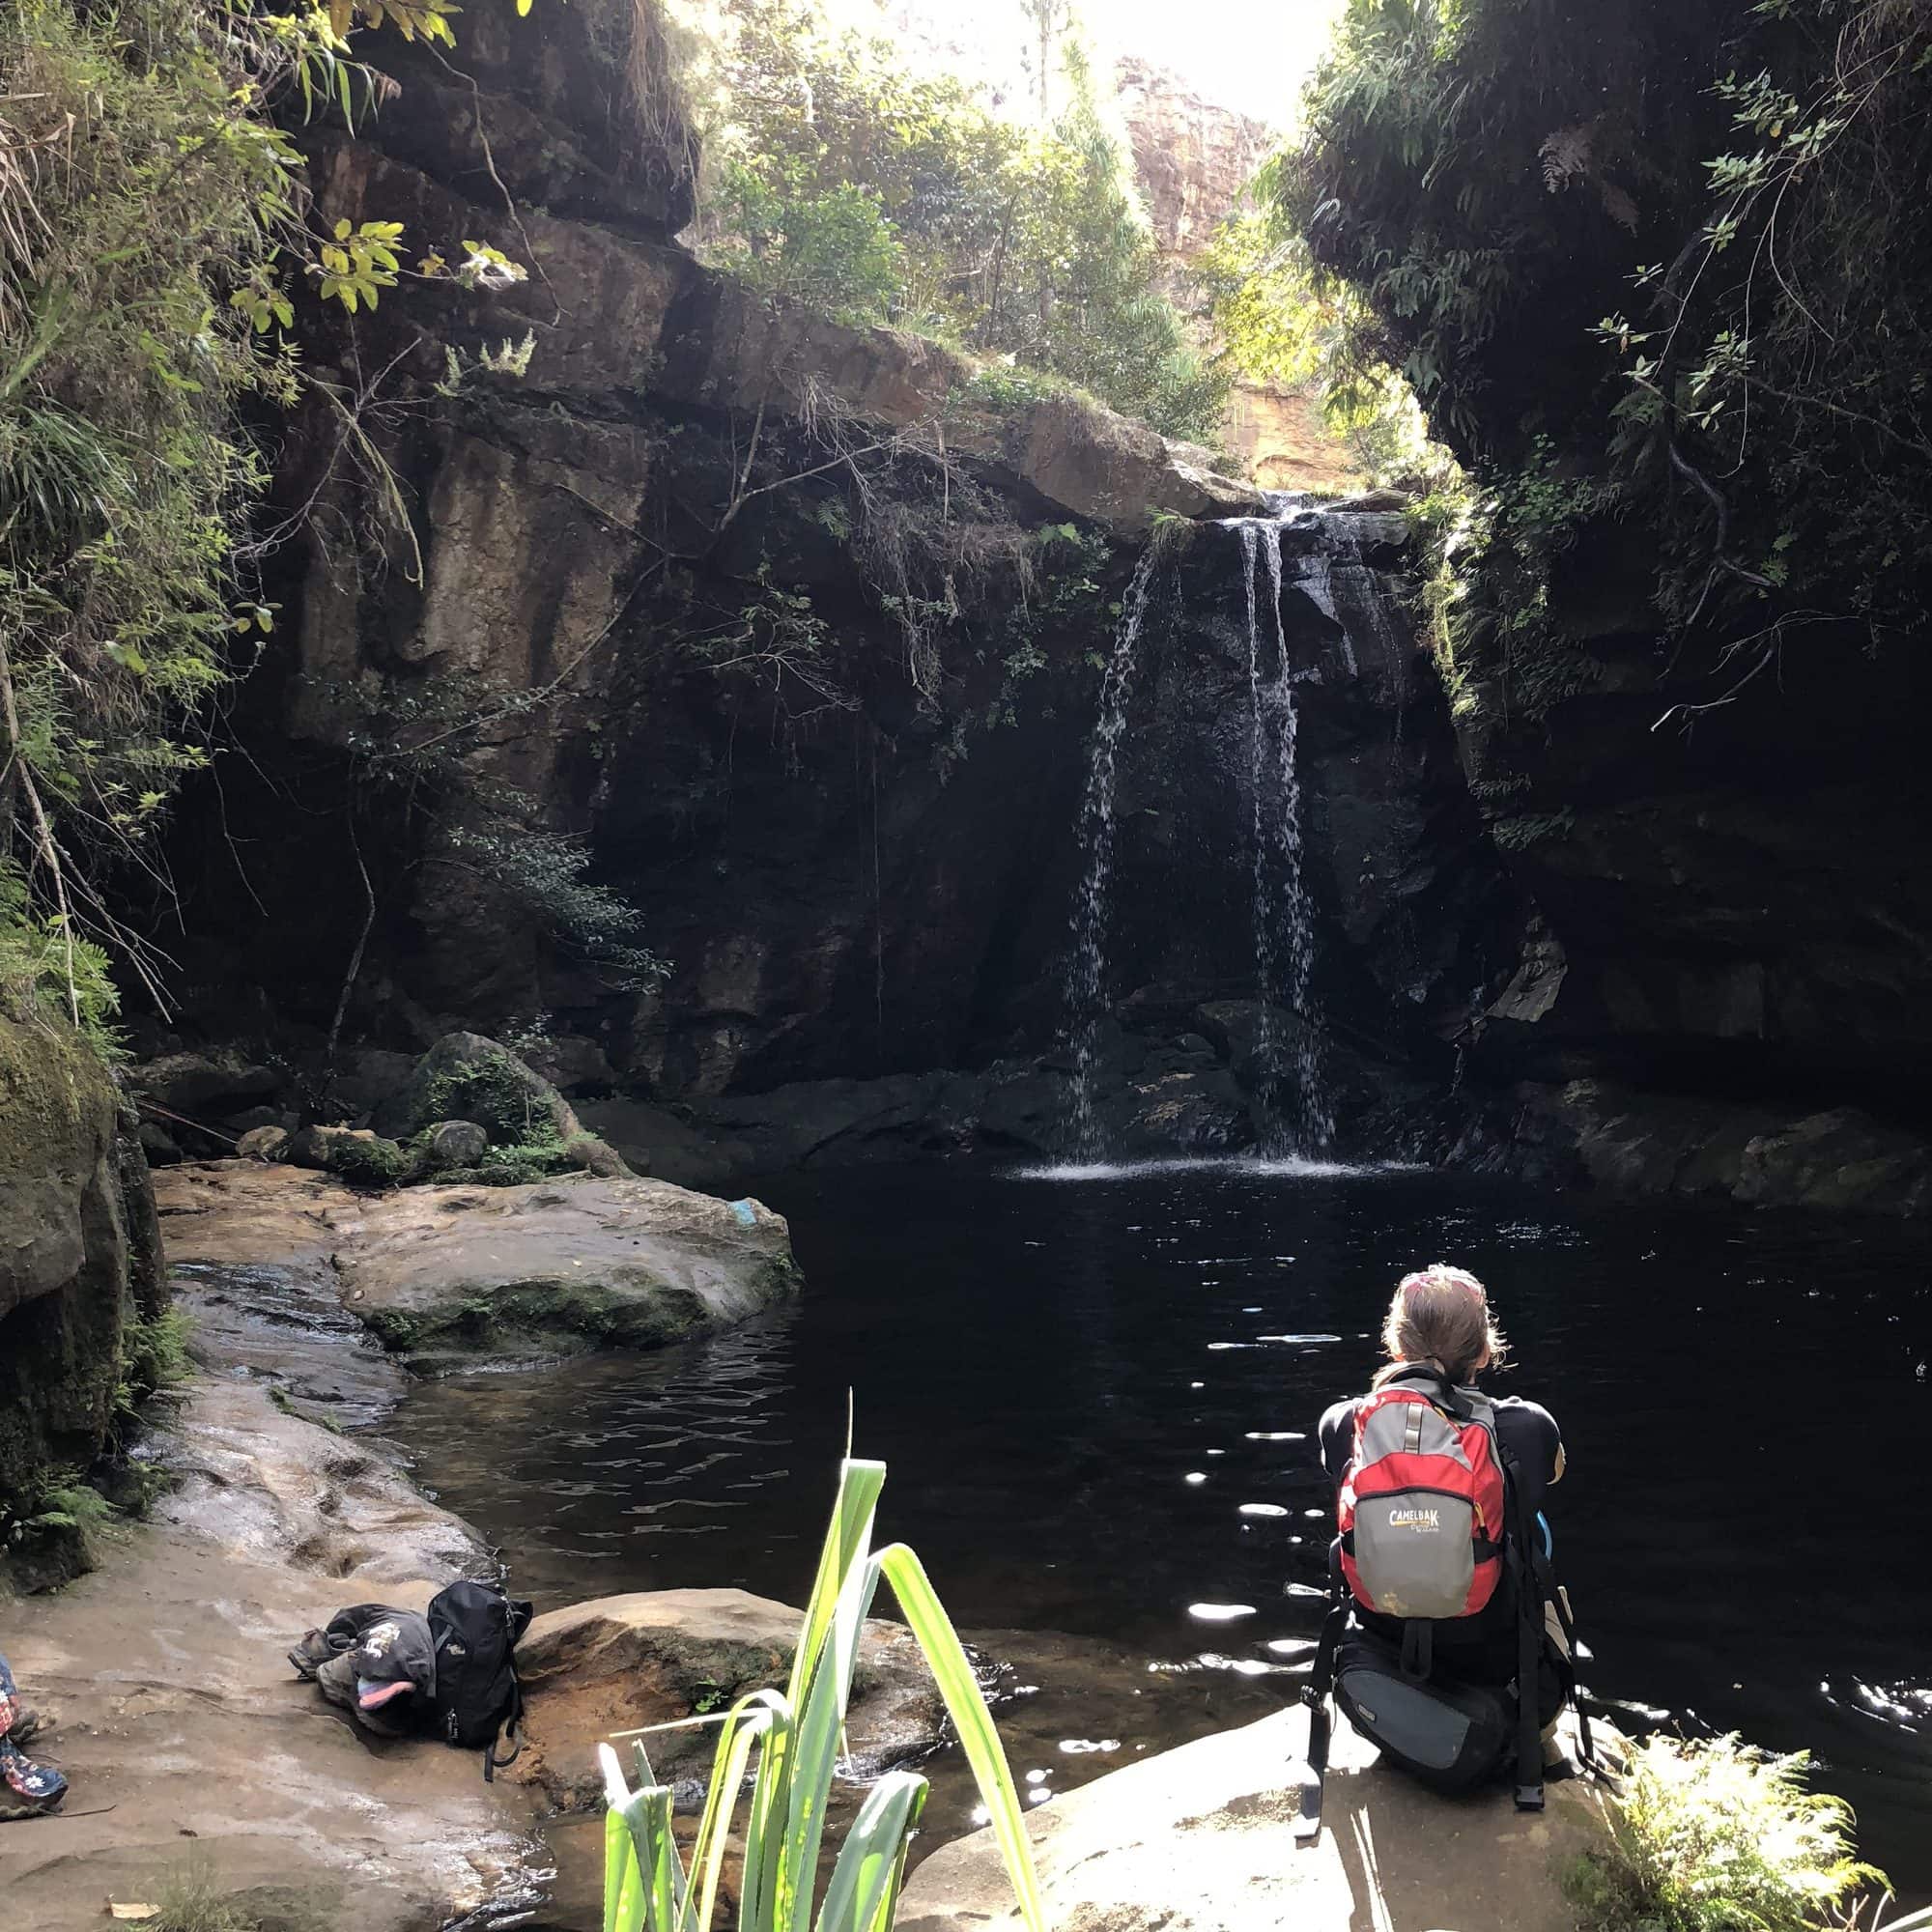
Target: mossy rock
361	1158
67	1283
532	1130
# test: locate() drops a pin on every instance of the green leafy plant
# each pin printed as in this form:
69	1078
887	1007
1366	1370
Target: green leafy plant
154	221
63	1504
906	200
795	1736
154	1360
1714	1836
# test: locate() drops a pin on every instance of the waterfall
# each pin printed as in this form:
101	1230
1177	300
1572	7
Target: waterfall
1087	960
1268	1049
1283	915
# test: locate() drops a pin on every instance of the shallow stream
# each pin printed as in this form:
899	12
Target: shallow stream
1097	1398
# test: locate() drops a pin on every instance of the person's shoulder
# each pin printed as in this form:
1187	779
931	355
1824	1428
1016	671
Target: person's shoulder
1339	1415
1520	1405
1526	1419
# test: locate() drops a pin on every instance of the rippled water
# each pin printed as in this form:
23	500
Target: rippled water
1096	1396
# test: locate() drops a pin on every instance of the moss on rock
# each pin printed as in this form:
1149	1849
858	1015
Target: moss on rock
533	1131
66	1285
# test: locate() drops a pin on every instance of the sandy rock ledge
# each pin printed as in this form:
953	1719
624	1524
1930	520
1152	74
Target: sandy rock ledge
1199	1840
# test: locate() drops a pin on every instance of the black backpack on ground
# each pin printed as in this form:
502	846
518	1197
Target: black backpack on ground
477	1700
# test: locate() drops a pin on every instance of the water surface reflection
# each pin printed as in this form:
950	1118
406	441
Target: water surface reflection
1095	1395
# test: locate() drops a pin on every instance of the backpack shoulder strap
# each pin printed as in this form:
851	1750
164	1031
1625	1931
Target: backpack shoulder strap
1521	1544
1314	1694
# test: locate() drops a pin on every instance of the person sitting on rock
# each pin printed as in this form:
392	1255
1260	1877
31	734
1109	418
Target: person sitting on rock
27	1790
1439	1321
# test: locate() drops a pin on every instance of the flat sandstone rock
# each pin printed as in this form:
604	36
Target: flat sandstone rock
1199	1840
188	1737
448	1276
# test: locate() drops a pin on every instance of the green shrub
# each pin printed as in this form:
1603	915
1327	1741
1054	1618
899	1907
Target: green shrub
906	200
1713	1835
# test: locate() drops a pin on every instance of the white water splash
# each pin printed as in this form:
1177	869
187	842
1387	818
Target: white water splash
1244	1167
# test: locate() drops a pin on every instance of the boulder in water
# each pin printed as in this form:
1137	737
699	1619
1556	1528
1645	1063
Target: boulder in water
446	1275
620	1662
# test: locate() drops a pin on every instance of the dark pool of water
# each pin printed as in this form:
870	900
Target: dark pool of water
1093	1395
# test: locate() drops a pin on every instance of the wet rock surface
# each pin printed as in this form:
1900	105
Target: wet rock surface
1198	1840
273	1487
183	1730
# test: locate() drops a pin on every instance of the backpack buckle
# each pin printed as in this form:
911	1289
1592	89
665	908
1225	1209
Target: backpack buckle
1529	1798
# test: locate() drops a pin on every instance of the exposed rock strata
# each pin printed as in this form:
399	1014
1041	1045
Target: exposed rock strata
1840	1160
1733	917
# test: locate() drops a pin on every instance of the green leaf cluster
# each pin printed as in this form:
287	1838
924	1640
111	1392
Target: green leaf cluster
139	191
1683	250
1712	1835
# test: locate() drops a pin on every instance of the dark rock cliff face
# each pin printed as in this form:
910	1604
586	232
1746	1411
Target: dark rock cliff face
803	644
856	852
1733	906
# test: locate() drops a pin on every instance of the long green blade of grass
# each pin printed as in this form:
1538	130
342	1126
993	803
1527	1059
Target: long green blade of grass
821	1728
764	1826
869	1858
845	1545
620	1860
751	1719
798	1741
630	1811
966	1706
663	1873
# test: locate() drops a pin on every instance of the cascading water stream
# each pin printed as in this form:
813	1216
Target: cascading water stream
1283	915
1268	1049
1087	958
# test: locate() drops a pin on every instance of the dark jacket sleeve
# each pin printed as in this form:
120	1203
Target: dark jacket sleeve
1336	1438
1530	1435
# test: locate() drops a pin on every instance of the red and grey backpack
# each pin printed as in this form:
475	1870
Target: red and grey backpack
1430	1514
1422	1503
